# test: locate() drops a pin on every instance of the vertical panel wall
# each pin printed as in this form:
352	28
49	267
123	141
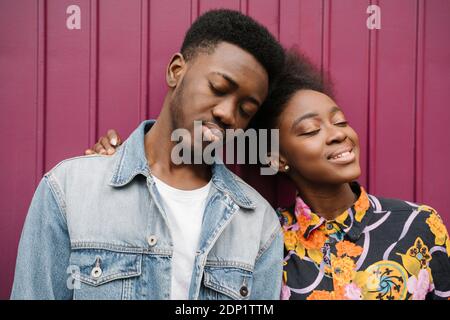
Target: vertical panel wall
21	106
433	114
61	87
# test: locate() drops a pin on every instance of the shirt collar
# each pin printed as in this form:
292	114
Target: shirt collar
352	221
131	161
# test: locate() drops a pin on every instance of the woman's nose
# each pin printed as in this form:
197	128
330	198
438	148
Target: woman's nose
335	134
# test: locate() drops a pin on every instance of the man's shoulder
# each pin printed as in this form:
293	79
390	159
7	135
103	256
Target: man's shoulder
83	168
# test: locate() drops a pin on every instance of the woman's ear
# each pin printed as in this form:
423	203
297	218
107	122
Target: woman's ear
175	70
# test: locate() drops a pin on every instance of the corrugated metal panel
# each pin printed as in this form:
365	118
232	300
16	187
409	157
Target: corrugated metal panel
60	88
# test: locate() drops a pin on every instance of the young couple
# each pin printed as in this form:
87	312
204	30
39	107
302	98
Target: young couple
128	223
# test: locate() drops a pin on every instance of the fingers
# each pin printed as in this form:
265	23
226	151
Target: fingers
113	138
107	147
98	148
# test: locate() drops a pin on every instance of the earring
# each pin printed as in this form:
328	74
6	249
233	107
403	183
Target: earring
286	168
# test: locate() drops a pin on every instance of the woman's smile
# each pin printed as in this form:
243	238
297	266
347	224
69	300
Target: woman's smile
342	156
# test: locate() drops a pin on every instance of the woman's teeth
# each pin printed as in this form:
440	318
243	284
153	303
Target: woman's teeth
344	154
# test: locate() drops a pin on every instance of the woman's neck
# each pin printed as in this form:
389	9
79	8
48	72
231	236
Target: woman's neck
327	201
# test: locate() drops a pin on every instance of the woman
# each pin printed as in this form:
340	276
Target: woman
340	242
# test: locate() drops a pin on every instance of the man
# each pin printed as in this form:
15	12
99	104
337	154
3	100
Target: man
137	226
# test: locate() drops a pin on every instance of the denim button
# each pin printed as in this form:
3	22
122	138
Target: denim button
96	272
243	291
329	226
152	240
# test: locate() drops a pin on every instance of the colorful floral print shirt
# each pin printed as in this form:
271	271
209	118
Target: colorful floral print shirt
382	249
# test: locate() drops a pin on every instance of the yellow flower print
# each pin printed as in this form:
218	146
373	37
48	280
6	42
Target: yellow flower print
284	275
342	217
290	239
420	251
373	281
426	208
288	219
300	250
384	280
343	270
447	245
314	219
315	255
437	227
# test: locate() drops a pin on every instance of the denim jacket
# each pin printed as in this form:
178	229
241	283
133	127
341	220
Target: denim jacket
96	230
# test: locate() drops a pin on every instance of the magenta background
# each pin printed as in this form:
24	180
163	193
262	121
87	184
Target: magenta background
60	89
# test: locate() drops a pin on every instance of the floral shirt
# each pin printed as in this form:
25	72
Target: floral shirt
382	249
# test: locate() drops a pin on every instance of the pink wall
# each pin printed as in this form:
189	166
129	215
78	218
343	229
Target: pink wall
60	88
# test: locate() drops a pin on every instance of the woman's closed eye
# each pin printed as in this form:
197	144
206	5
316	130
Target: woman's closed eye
341	123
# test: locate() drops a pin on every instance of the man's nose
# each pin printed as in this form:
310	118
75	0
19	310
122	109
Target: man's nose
225	112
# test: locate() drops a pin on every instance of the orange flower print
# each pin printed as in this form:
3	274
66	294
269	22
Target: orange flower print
361	205
320	295
348	248
316	239
305	221
338	294
344	270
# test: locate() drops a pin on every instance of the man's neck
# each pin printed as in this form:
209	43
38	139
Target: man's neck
158	149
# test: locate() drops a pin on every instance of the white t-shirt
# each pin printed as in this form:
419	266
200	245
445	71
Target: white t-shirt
184	210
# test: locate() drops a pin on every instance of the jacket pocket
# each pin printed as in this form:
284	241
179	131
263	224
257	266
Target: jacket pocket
104	274
222	283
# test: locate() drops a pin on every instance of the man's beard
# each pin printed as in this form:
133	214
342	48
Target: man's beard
177	116
175	107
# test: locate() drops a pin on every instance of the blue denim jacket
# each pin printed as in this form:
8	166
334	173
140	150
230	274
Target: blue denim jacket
96	230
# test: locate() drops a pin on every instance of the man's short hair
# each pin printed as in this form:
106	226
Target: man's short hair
230	26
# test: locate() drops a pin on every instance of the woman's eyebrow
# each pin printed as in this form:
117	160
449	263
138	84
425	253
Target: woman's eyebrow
312	115
335	109
303	117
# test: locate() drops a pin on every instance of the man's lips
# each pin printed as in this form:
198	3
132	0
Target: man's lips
212	132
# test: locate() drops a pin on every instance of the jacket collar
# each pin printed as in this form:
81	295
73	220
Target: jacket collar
132	161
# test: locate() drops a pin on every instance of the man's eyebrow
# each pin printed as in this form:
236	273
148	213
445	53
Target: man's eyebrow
304	117
235	86
229	79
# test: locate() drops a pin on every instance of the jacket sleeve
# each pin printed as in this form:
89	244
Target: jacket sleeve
44	249
268	271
